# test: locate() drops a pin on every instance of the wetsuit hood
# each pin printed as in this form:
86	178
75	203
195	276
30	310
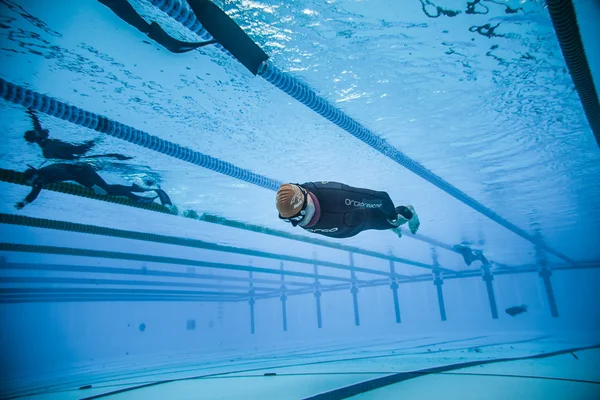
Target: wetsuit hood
317	214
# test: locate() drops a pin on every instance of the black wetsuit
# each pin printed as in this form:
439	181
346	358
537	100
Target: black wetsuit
54	148
470	255
86	176
347	211
127	13
512	311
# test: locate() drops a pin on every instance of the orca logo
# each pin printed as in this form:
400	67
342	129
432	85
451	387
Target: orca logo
362	204
323	230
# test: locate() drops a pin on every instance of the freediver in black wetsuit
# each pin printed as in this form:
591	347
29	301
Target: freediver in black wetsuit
470	255
86	176
341	211
54	148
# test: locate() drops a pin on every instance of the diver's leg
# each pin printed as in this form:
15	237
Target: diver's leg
98	190
141	199
120	157
406	214
403	215
466	252
127	191
397	231
86	176
164	197
375	219
122	190
140	189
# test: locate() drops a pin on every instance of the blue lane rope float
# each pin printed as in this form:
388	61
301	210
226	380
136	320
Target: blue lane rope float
181	12
564	19
42	103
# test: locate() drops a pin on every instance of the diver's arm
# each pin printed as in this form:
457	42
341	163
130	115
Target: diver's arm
37	188
34	119
35	191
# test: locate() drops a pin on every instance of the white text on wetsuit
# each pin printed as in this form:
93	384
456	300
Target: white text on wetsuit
361	204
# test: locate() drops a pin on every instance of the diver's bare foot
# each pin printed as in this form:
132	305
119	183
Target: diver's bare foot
397	231
413	223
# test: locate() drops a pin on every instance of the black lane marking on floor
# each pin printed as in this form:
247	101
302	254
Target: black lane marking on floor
366	386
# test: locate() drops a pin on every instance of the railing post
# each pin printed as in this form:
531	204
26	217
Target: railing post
354	290
438	281
251	301
394	287
488	278
545	273
283	299
317	294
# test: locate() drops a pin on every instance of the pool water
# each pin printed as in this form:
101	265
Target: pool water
204	299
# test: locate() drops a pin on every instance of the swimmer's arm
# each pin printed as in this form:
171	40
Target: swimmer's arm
36	122
35	192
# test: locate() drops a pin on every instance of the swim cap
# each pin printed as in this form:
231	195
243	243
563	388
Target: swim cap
290	200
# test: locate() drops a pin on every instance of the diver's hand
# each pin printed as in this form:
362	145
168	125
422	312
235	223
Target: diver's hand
20	205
